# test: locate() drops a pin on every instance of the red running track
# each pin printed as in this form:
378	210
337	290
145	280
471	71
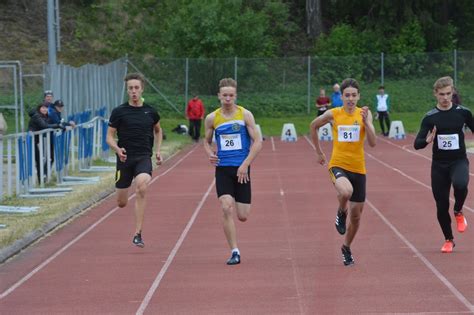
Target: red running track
291	261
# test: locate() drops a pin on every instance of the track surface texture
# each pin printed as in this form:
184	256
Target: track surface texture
291	259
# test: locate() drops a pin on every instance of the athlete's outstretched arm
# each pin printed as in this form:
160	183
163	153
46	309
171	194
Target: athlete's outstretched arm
317	123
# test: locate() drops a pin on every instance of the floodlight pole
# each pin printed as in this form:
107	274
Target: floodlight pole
51	34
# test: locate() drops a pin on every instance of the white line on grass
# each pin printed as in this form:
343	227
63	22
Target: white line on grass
77	238
171	256
428	264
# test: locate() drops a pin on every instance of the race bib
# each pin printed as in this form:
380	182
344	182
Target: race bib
448	142
231	142
348	133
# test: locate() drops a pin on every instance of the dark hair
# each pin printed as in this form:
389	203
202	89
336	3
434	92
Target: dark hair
135	76
381	87
58	103
349	82
45	104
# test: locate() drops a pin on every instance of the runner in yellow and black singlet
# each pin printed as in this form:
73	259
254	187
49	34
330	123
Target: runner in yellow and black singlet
350	126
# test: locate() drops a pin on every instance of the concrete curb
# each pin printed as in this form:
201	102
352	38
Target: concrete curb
15	248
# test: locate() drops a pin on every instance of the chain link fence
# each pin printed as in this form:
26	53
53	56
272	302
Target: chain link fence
281	86
267	86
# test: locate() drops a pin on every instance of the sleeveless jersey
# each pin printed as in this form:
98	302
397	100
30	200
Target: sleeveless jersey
232	138
348	143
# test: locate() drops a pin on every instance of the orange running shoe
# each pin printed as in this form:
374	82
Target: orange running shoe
460	221
448	246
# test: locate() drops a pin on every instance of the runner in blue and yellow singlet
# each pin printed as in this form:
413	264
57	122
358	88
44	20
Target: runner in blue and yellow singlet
238	143
350	126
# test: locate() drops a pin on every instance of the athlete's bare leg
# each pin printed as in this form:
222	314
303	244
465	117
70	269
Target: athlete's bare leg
354	222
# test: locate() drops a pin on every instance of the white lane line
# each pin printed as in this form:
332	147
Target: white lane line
443	279
310	142
409	177
411	151
428	264
273	144
77	238
171	256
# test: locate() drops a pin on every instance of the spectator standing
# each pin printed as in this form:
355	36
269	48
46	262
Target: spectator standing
39	121
48	97
195	115
382	106
336	97
54	117
322	102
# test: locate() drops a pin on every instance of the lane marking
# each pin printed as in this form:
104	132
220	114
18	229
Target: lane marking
77	238
411	151
289	236
428	264
174	251
273	144
409	177
398	171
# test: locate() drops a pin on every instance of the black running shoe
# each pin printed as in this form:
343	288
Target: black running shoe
347	256
137	240
234	260
341	222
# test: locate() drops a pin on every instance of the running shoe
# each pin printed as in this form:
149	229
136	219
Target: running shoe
347	258
235	259
341	221
448	246
460	221
138	241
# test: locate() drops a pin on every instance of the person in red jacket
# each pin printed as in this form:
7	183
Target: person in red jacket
195	114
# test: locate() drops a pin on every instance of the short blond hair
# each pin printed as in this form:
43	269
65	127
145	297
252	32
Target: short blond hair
443	82
227	82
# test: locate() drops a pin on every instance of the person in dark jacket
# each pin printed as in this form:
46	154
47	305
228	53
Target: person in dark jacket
54	114
39	121
54	117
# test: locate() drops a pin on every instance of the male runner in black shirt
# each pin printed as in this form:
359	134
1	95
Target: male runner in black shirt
137	126
443	126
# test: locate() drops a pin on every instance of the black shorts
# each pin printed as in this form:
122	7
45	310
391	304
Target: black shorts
357	180
227	184
128	170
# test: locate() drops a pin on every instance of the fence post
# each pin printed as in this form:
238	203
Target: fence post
381	68
235	68
455	53
309	84
186	84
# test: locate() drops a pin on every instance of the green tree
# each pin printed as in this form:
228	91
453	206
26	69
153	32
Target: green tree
223	29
